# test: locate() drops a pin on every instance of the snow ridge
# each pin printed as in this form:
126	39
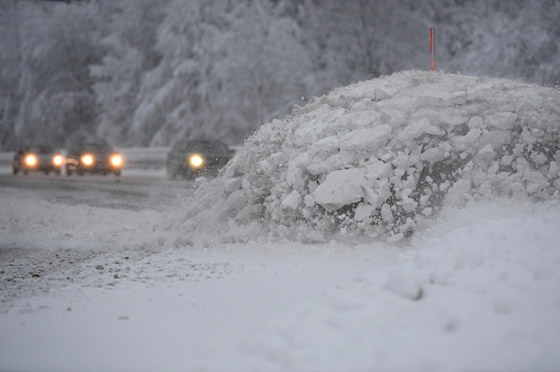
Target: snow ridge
379	158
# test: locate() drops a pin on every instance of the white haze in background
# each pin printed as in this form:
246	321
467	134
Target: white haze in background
143	73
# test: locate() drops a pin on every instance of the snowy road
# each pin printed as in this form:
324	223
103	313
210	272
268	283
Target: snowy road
135	189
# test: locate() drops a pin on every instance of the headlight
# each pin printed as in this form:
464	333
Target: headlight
31	160
116	160
196	161
87	159
57	160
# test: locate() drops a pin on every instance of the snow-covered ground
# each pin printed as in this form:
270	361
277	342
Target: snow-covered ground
86	286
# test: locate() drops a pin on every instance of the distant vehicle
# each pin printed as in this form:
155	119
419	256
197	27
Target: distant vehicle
193	158
93	157
37	158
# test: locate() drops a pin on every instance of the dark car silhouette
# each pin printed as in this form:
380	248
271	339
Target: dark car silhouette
93	157
37	158
193	158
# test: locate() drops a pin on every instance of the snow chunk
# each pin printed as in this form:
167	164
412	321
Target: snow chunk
453	117
341	188
292	201
418	129
366	138
502	120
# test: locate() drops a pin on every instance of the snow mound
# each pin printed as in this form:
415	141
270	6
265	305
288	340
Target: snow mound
379	158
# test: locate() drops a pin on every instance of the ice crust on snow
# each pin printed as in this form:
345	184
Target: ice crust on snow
378	158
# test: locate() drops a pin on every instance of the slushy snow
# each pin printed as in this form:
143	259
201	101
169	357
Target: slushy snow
377	159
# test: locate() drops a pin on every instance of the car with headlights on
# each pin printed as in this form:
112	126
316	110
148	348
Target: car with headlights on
37	158
93	157
190	158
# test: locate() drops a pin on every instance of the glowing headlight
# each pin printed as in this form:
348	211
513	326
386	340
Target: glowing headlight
87	159
116	160
196	161
57	160
31	160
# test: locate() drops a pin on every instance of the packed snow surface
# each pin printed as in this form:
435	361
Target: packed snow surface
404	223
377	159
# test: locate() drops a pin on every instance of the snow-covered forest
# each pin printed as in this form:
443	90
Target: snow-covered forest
143	73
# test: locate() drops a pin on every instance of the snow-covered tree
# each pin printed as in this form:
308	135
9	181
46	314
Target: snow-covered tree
518	39
267	69
58	44
10	63
169	92
130	52
227	67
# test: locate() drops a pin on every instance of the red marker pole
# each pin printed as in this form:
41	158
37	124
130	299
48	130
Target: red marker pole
433	49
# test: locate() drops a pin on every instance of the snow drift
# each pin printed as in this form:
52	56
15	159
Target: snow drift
379	158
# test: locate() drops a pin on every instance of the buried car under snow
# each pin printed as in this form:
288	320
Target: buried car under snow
93	157
192	158
37	158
